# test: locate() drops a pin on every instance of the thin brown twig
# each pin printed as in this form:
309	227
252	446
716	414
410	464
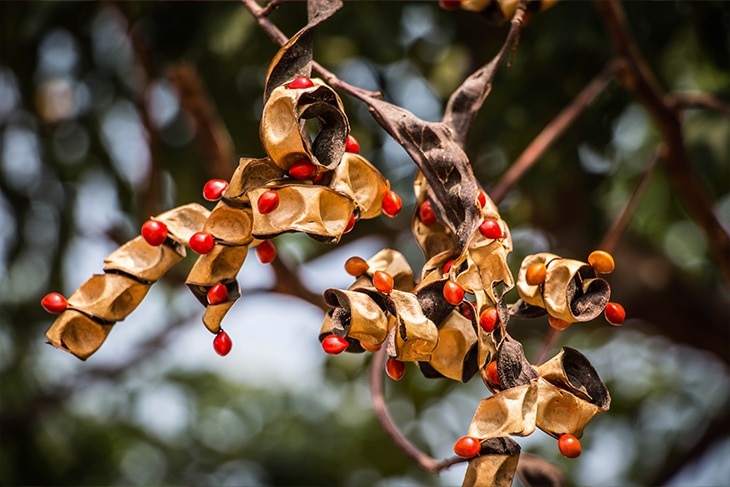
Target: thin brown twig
552	131
689	100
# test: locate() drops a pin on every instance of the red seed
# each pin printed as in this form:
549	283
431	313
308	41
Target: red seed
395	369
490	229
601	261
356	266
482	199
467	447
350	224
447	265
488	319
426	213
268	201
536	274
392	204
615	314
453	292
569	445
218	293
369	347
334	344
201	242
266	252
558	324
222	343
383	282
154	232
213	189
302	169
467	310
352	145
54	303
493	374
301	82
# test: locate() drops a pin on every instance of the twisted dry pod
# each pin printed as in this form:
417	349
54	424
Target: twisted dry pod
129	272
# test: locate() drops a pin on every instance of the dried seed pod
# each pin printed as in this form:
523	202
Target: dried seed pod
436	238
416	336
251	173
571	291
362	182
495	465
285	136
455	355
357	316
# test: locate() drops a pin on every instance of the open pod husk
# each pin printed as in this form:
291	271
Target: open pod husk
251	173
285	136
142	260
495	465
395	264
455	355
512	411
182	222
355	315
362	182
571	291
77	333
229	225
435	238
317	211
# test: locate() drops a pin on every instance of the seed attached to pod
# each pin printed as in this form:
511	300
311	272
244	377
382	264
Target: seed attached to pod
268	201
352	145
601	261
302	169
222	343
615	313
488	319
383	282
370	348
154	232
54	303
334	344
467	447
558	324
447	265
218	293
569	446
392	204
395	369
301	82
481	198
535	274
426	213
356	266
213	189
350	224
467	310
453	292
266	252
490	228
201	242
492	374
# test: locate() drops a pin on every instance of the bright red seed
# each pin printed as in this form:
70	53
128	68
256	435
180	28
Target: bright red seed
352	145
213	189
300	83
54	303
482	198
488	319
615	313
222	343
383	282
453	292
201	242
492	374
334	344
218	293
426	213
302	169
569	445
392	204
268	201
490	229
266	252
395	369
447	265
467	447
154	232
350	224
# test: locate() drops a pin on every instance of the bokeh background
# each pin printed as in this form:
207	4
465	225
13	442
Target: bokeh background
95	137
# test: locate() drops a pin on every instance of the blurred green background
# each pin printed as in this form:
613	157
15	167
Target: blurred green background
94	139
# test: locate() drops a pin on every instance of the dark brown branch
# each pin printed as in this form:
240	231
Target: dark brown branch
684	101
551	132
638	79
